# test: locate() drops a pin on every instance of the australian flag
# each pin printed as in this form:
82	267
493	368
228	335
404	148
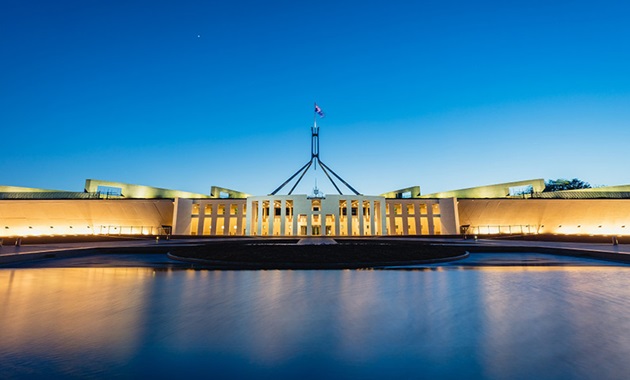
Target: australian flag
319	111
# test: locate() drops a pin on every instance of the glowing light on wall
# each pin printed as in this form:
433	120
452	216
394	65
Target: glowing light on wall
561	229
64	230
581	229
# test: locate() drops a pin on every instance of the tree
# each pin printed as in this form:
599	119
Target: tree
565	184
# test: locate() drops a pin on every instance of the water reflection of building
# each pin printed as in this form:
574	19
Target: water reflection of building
118	208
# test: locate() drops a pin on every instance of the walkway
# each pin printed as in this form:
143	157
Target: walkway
36	251
586	247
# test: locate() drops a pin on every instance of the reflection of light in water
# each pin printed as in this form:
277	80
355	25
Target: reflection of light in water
281	313
545	318
355	311
497	322
82	301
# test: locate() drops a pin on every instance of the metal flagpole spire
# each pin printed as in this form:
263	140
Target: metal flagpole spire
315	160
315	137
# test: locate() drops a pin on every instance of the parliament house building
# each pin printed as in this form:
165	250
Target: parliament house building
112	208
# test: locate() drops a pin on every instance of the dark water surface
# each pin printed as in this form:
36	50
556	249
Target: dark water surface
496	322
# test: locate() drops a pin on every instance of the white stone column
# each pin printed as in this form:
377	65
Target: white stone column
392	219
372	219
337	216
249	217
213	224
405	222
200	223
349	216
309	222
226	219
272	217
283	216
416	217
360	217
383	218
239	218
260	217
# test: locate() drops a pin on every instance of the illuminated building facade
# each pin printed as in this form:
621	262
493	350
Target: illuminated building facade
122	209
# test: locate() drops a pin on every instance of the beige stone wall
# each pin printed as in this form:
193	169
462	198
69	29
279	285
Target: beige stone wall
181	216
449	216
556	216
85	216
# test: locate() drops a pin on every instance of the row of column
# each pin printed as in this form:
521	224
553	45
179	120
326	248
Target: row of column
227	216
301	206
416	215
304	207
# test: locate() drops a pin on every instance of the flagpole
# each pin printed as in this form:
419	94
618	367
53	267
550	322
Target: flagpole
317	111
315	138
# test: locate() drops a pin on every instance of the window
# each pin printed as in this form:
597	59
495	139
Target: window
316	204
109	190
265	209
366	209
289	209
520	190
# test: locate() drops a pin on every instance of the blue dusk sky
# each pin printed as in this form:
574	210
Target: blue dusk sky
189	94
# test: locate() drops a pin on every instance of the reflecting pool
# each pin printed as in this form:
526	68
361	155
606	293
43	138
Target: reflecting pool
490	322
